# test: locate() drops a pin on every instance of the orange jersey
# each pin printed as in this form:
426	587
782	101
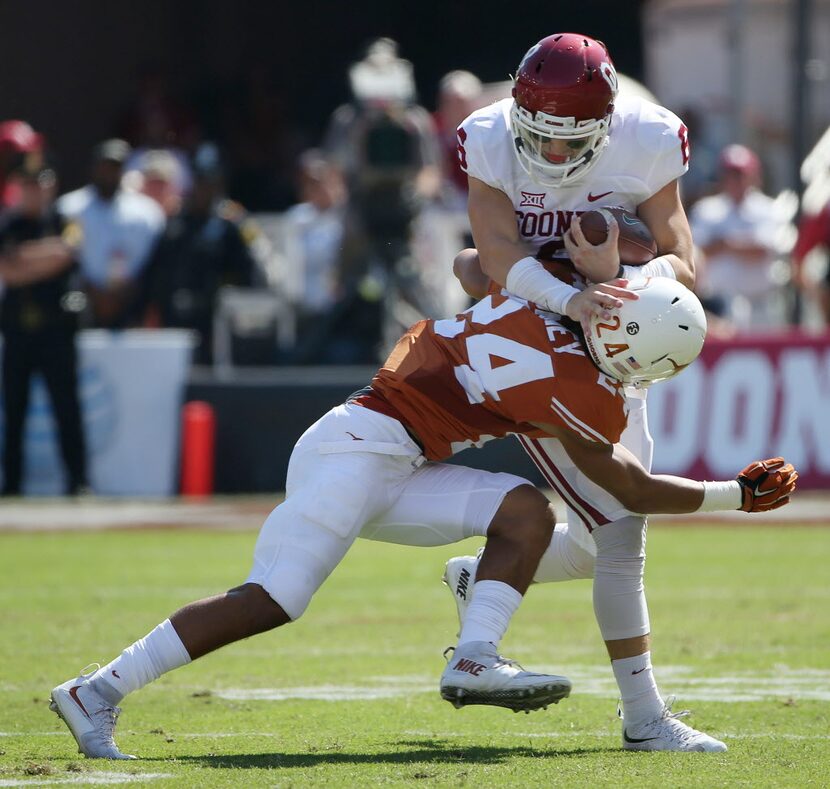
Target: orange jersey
494	370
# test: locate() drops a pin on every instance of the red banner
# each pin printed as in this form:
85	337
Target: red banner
745	399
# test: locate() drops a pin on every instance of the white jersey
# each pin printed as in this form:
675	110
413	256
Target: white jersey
647	148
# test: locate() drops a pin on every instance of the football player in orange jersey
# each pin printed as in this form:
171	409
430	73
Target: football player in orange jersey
371	468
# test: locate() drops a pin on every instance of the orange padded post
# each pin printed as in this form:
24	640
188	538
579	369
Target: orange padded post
198	447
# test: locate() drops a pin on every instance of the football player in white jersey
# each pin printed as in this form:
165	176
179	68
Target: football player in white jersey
564	144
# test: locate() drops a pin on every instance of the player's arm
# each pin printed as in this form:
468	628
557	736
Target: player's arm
665	217
763	485
34	261
467	269
510	262
493	222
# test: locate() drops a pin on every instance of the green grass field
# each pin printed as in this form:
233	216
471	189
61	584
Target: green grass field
348	696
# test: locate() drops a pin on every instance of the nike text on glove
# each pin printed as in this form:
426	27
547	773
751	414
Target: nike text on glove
766	484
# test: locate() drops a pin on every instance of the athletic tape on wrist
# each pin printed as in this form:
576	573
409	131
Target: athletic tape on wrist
718	496
529	280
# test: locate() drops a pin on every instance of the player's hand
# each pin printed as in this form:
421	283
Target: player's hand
599	300
595	262
767	484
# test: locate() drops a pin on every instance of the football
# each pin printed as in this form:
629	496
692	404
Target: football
636	244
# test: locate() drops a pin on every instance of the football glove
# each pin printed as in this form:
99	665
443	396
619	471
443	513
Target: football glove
766	485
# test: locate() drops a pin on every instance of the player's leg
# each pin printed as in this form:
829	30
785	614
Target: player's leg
619	592
566	558
17	370
61	376
301	542
441	504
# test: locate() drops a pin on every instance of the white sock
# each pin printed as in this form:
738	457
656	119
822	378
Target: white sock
489	612
161	650
641	699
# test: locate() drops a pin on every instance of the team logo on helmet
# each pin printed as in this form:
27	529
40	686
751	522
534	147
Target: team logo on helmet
609	74
632	328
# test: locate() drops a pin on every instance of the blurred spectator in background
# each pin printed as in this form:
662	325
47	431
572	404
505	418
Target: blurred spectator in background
18	142
160	179
117	229
701	179
814	233
459	94
38	322
386	146
158	174
202	248
741	233
313	240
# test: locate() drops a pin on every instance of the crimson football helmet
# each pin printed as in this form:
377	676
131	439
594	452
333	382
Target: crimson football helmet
564	95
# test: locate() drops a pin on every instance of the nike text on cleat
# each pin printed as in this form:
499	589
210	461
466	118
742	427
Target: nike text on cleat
667	733
477	674
89	717
460	576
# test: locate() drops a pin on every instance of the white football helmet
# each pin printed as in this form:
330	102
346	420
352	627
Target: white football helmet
651	338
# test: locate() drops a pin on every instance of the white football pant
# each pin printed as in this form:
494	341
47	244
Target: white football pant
357	473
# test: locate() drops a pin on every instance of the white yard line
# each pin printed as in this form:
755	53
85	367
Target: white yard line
107	778
682	681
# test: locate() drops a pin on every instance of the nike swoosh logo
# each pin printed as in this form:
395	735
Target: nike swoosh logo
634	740
354	437
73	692
594	198
639	671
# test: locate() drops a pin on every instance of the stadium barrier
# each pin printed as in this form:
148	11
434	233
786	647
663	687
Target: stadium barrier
746	398
131	385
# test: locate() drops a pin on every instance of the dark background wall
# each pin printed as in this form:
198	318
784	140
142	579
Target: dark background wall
71	69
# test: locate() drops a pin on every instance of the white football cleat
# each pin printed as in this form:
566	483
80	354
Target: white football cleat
459	576
667	733
477	674
89	717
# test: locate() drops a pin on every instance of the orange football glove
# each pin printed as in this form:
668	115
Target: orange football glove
766	484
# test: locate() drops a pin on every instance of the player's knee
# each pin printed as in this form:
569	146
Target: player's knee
261	611
525	515
623	540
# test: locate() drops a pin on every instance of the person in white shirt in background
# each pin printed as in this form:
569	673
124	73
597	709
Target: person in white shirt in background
743	234
314	229
116	230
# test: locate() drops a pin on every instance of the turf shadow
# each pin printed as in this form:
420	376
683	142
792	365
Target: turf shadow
410	753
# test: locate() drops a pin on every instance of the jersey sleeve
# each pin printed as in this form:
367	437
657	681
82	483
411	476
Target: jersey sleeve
474	158
665	140
595	411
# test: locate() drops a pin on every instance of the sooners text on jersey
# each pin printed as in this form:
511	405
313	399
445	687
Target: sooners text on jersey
492	371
